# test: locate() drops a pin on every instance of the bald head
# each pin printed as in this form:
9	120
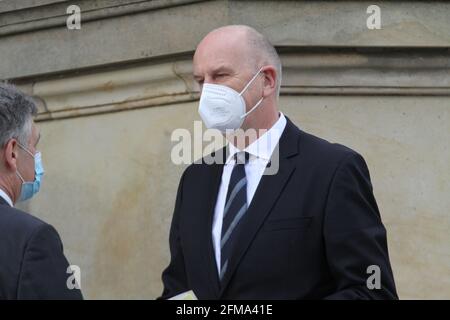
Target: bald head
241	45
232	56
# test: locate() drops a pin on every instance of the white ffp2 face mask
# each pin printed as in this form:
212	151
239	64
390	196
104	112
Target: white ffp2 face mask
223	108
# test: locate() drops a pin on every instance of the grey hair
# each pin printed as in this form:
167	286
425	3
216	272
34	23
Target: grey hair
16	114
266	53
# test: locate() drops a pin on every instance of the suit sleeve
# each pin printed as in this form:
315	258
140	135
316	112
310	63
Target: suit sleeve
174	276
43	273
355	237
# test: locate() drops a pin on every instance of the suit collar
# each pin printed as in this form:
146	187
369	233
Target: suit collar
3	202
5	199
211	190
290	140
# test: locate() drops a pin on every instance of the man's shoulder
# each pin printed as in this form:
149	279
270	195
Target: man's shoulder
321	153
206	163
316	149
19	223
319	147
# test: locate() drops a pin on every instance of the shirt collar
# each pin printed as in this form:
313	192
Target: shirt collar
262	147
5	196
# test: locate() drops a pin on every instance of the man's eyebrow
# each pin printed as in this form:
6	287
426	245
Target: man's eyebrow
222	68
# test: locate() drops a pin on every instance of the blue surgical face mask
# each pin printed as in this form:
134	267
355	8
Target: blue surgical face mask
29	189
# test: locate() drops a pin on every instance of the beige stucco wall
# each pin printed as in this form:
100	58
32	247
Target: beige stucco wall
110	186
405	141
109	190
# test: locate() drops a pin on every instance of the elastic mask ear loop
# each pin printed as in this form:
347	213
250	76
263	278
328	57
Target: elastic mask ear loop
250	82
27	151
20	176
256	105
245	88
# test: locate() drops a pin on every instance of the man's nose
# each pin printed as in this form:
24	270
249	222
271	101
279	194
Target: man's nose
208	79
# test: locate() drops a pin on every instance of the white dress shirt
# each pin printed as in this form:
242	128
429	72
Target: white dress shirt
5	196
260	153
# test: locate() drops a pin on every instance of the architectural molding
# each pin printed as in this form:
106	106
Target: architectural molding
113	90
31	15
305	72
36	42
367	72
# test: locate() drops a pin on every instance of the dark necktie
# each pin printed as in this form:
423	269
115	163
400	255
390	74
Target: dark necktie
235	208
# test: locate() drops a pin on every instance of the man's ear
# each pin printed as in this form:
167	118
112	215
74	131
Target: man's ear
270	80
11	155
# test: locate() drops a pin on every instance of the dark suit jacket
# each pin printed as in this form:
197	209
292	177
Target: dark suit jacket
310	231
32	263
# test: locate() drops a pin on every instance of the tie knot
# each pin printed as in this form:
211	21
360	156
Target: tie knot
242	157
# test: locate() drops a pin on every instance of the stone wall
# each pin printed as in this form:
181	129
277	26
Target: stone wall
112	93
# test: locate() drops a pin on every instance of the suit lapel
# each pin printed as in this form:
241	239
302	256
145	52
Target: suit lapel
3	202
268	191
211	191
